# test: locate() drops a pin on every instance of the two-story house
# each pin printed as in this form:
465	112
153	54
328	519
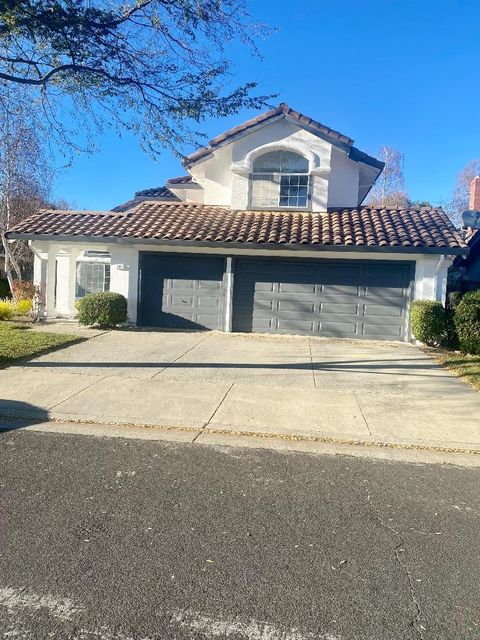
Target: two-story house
266	233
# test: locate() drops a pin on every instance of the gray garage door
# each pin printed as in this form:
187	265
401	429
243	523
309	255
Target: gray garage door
181	291
342	299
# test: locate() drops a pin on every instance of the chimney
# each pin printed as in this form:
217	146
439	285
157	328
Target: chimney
474	201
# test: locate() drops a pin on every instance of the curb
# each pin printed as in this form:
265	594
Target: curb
255	434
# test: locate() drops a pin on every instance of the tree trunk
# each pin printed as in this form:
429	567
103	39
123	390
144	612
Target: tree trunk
12	268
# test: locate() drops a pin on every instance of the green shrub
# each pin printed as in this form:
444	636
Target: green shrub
105	309
4	288
451	335
467	322
7	309
428	321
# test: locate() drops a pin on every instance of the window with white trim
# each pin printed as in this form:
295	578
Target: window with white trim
279	179
93	274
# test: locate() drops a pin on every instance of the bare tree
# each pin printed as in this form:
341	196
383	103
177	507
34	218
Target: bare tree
458	202
389	189
25	174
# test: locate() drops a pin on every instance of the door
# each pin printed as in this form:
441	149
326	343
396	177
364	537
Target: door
181	291
342	299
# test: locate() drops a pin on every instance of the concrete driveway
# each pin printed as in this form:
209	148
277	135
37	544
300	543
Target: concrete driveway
203	383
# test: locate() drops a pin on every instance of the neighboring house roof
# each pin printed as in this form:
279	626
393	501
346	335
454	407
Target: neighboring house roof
180	180
283	110
164	192
157	192
424	230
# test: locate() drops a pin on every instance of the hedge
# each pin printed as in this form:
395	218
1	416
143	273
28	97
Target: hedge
105	309
467	322
428	321
451	335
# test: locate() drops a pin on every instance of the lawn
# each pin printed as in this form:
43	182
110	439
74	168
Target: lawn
18	342
465	366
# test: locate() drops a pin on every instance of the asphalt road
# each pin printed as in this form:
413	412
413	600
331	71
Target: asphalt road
109	539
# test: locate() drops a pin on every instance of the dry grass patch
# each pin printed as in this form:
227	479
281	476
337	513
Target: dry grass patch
463	365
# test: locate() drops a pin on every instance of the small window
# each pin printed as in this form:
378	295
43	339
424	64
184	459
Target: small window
280	179
92	277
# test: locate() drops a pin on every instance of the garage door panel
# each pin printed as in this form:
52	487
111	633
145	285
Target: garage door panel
259	325
383	293
392	311
296	306
335	290
262	305
296	288
295	325
338	329
338	309
381	331
205	301
181	291
180	301
178	283
261	286
334	299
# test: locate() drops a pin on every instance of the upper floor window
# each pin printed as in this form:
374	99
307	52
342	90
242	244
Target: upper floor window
279	179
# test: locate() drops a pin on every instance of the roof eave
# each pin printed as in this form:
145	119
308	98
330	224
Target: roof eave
360	156
315	248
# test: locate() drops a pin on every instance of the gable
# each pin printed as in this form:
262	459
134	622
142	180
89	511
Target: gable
340	175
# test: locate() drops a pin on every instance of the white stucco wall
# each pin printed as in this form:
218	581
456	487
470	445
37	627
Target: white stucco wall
124	276
429	281
343	181
224	176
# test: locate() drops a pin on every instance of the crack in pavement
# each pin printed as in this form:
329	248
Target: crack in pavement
400	547
180	357
361	411
204	428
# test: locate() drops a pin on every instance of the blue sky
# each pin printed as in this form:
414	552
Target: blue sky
401	73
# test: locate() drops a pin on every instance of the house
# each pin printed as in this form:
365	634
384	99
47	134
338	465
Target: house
465	273
266	233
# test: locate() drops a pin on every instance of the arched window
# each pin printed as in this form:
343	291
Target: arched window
279	179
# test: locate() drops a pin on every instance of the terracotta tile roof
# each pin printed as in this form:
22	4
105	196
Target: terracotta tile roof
282	109
191	222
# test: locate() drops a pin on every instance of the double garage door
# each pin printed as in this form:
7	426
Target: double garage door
345	299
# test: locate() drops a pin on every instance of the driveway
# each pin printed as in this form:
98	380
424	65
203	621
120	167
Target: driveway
287	386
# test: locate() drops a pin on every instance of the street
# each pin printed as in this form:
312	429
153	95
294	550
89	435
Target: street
108	538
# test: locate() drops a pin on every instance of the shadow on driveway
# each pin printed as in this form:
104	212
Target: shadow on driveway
17	415
412	367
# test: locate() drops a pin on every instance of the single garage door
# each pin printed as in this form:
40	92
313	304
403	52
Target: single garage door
181	291
344	299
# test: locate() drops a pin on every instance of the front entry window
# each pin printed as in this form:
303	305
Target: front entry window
280	179
92	277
